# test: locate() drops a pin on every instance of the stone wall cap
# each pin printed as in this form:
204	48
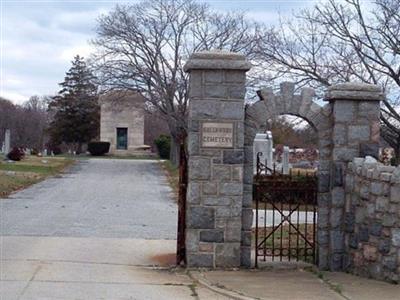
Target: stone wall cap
217	60
355	91
355	86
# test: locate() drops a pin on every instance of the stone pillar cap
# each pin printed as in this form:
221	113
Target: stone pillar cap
354	91
217	60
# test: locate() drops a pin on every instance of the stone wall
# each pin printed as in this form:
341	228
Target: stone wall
215	172
372	219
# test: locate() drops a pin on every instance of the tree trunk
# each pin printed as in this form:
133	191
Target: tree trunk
175	151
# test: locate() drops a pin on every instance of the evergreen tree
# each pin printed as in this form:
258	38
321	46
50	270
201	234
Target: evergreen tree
76	113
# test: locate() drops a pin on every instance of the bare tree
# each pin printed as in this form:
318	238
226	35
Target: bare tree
144	47
338	41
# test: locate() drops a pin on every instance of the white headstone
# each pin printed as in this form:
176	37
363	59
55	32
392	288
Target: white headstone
45	152
52	153
285	160
263	144
3	148
7	141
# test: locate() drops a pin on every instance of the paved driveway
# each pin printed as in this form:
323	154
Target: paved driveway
97	198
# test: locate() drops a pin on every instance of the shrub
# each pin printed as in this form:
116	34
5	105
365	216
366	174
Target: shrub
163	143
16	154
98	148
56	150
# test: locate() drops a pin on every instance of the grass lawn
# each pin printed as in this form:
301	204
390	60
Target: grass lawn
18	175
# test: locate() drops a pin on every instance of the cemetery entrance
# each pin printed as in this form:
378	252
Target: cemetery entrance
285	215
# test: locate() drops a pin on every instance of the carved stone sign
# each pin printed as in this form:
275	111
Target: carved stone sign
217	135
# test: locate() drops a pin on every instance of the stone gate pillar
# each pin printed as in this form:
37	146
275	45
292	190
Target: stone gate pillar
215	148
356	110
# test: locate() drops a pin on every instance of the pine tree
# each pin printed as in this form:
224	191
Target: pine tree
76	113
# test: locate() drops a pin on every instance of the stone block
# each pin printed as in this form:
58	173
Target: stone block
227	255
245	257
216	201
231	188
247	218
395	193
212	236
206	247
353	241
236	92
199	168
233	231
192	240
221	172
384	246
336	262
336	240
376	188
210	188
395	232
390	263
382	204
340	134
233	157
359	133
370	252
375	229
338	196
197	260
237	173
246	238
336	217
247	199
323	182
349	219
323	237
193	193
214	76
232	76
345	154
389	220
369	149
338	173
344	111
231	110
363	234
199	217
215	91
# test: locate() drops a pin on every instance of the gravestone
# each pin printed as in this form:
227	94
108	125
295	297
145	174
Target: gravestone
263	144
45	152
3	148
7	141
215	158
285	160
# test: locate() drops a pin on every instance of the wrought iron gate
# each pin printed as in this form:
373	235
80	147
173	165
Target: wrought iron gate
286	215
183	179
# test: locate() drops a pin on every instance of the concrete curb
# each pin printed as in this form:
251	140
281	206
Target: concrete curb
199	277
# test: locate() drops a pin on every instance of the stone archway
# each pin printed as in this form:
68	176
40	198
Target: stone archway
320	118
221	130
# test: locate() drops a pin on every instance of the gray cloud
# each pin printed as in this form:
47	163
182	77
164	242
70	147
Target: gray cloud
40	38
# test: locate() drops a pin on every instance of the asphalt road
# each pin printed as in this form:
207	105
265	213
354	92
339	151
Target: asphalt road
111	198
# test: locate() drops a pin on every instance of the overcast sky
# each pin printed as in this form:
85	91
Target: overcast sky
40	38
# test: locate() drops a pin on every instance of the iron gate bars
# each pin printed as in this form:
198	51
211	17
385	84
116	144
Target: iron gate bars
288	207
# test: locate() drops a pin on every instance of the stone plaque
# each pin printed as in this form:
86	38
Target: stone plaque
217	135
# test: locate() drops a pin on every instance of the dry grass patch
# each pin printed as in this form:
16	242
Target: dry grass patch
15	176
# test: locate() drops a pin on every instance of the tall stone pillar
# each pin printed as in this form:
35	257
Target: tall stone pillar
215	148
356	110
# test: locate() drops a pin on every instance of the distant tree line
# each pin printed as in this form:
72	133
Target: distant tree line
27	122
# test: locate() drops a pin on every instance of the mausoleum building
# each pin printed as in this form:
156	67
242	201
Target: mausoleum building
122	122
